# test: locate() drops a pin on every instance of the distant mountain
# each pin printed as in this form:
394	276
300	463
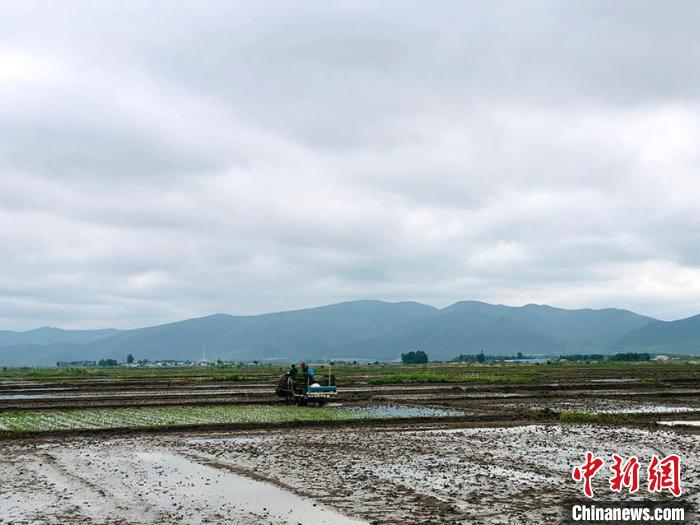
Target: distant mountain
583	329
294	334
360	329
470	327
682	336
48	335
449	334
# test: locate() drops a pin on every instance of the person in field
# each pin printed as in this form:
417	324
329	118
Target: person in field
307	373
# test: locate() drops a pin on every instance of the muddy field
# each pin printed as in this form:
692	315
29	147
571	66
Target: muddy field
462	452
400	474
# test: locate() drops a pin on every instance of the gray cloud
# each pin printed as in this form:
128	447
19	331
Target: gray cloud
165	160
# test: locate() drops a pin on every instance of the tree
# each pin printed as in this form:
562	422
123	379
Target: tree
631	356
481	357
414	358
130	359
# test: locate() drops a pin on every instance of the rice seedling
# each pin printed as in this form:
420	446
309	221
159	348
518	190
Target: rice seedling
158	417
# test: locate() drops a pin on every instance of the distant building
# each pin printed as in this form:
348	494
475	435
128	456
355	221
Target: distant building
660	358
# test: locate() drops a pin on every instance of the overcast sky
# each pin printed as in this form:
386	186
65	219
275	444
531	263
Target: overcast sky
165	160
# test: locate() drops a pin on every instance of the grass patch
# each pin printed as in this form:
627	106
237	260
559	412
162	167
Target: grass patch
236	377
537	413
429	377
569	416
413	377
378	373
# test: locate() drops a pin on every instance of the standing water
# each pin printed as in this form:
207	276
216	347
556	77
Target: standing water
202	486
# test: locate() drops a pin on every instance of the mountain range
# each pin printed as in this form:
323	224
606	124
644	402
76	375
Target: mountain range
365	329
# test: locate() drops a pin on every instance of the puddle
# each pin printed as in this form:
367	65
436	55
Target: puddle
403	411
20	397
413	387
190	482
231	384
628	392
494	395
614	407
85	396
679	423
616	380
601	406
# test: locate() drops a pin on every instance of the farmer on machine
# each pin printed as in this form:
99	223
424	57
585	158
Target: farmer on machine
307	373
299	386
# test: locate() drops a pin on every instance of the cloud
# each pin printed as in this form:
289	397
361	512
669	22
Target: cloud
166	160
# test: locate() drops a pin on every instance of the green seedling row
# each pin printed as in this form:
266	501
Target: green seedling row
159	417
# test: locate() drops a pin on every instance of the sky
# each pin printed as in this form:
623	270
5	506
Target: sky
167	160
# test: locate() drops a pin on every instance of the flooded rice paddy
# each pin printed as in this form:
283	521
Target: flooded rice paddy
404	453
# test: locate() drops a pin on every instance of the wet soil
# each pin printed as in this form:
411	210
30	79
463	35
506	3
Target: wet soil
390	474
135	482
461	453
474	397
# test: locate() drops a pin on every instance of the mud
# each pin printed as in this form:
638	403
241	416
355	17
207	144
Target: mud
429	474
468	397
456	453
132	482
600	406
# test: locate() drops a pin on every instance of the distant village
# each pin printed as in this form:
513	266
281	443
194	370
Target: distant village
409	358
161	363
